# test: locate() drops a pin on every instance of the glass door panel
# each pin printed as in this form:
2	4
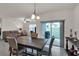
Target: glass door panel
55	30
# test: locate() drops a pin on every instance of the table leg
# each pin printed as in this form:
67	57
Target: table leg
37	53
32	50
66	44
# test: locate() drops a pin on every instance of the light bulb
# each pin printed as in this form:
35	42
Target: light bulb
33	16
37	17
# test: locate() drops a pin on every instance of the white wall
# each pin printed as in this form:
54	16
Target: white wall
11	24
0	27
76	19
0	22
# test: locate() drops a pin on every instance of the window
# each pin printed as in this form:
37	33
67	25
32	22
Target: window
32	27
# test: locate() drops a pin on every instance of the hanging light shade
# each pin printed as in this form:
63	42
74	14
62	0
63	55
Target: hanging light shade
34	15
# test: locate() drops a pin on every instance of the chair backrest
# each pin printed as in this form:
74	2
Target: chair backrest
50	45
12	42
34	35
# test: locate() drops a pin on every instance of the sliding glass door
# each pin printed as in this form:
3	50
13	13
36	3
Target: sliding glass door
49	29
55	31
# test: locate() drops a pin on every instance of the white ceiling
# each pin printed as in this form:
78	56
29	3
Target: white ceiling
26	9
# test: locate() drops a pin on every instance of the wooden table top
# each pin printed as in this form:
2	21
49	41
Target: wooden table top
32	43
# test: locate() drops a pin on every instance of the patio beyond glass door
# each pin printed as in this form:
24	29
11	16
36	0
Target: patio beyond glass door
55	31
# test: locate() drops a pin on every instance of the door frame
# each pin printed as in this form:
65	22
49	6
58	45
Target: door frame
63	29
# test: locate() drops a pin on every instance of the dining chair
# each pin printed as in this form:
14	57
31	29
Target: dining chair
48	48
13	46
34	35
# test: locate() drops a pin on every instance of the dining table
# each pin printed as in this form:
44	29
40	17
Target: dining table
33	43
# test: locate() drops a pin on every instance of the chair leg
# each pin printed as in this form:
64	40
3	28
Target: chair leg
16	54
40	53
25	50
10	54
32	50
10	49
49	54
37	53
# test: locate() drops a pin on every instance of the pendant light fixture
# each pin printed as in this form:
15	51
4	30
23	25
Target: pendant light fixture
35	16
